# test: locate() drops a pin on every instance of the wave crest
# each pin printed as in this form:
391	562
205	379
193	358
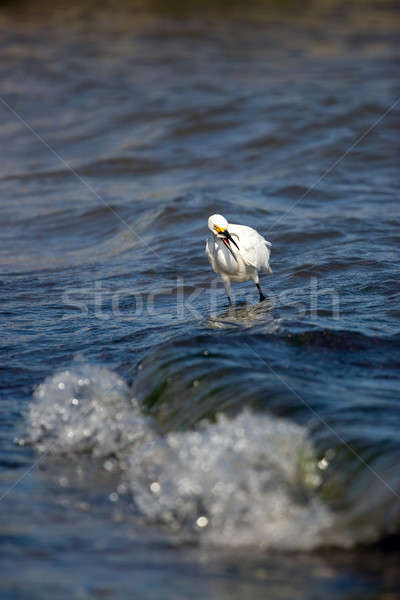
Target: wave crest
242	481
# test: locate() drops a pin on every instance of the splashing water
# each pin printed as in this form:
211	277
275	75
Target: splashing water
240	482
250	480
82	410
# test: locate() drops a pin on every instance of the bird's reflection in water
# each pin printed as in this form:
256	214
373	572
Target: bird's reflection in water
244	314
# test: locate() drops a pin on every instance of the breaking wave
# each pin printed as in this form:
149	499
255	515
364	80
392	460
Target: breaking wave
246	480
252	479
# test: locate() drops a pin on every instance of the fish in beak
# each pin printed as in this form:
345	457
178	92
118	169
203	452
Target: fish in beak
227	239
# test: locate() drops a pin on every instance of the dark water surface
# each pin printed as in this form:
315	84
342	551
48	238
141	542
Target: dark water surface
181	449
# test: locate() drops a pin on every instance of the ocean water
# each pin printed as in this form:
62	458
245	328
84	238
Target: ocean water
154	443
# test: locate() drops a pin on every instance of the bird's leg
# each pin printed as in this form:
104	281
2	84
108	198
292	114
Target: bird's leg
227	286
262	297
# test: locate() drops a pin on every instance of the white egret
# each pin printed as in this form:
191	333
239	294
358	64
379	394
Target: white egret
241	263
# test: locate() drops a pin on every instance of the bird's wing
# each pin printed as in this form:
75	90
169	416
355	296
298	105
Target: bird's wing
253	248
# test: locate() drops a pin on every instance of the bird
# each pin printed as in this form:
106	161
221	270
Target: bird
237	253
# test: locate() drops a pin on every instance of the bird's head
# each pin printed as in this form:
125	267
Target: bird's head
219	226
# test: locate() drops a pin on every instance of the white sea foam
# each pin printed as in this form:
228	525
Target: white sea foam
84	410
243	481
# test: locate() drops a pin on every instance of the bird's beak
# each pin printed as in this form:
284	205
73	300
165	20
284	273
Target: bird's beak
227	238
230	238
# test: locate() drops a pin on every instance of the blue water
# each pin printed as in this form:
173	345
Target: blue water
154	443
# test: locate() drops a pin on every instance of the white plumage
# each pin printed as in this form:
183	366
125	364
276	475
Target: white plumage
236	252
